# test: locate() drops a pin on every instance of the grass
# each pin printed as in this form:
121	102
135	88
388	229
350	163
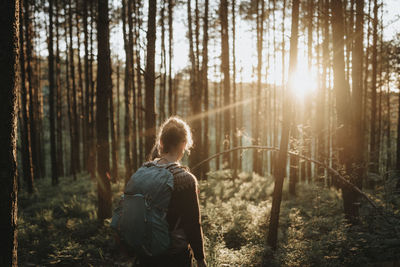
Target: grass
58	226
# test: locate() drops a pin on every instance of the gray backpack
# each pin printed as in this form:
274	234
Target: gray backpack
140	219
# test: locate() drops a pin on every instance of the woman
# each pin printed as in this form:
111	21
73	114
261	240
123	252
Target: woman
173	139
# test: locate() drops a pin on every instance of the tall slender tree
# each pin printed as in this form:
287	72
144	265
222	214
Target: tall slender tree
195	89
257	116
204	73
280	169
225	67
9	17
132	85
357	86
374	146
87	83
28	31
127	95
75	118
171	4
104	89
27	163
341	89
59	146
235	137
138	16
150	115
53	149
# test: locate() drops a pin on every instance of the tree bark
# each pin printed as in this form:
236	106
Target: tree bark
132	86
257	117
27	164
280	169
88	117
170	52
373	138
75	117
80	92
235	136
127	96
72	169
9	35
59	113
114	151
341	89
195	92
104	87
53	149
223	13
150	115
139	83
321	117
204	73
357	78
92	116
163	66
29	72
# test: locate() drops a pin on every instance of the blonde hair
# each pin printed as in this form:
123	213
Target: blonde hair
173	132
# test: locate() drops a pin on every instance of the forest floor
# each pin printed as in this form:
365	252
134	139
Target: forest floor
58	226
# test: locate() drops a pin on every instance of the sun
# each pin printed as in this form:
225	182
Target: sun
303	83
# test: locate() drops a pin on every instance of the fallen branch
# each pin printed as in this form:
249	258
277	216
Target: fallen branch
274	149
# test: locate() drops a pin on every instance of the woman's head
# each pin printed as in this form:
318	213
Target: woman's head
174	137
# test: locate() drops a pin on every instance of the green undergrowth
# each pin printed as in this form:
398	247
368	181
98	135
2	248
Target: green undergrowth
58	226
312	229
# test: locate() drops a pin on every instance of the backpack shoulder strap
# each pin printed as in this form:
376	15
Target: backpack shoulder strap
176	169
173	167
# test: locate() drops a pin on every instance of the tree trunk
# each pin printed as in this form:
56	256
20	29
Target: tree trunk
398	137
59	145
104	88
170	52
280	169
223	12
132	86
195	95
53	149
72	169
114	150
127	126
373	142
29	72
75	118
27	164
92	121
321	117
81	106
163	65
150	115
118	135
204	72
357	78
256	117
235	137
139	84
307	135
8	134
341	89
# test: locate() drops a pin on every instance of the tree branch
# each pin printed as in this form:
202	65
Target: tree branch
274	149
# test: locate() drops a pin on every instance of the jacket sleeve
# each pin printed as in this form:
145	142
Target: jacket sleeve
191	220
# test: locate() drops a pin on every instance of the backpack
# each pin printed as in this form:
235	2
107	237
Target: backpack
140	218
